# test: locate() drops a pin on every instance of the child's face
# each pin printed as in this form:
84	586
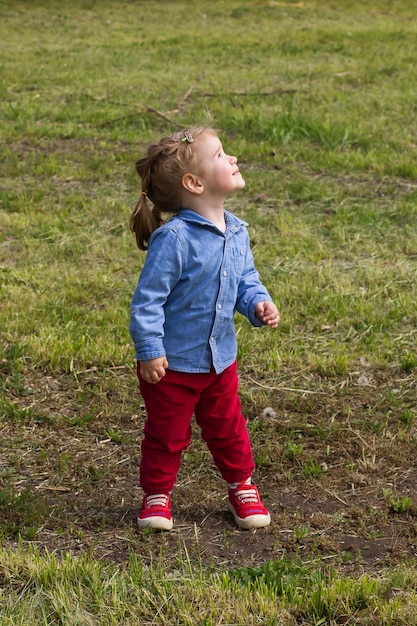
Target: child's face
217	170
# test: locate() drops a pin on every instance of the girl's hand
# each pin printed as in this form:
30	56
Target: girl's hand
267	312
153	370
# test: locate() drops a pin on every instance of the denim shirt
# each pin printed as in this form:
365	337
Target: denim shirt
194	278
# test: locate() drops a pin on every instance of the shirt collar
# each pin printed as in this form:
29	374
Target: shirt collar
233	223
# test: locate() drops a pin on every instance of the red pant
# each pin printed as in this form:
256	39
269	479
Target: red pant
170	405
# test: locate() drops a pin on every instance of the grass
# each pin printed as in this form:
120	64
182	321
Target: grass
82	591
317	101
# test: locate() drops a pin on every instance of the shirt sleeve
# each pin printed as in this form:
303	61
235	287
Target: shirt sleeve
250	290
160	274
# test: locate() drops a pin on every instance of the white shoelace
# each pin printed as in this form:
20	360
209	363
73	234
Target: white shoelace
247	494
157	499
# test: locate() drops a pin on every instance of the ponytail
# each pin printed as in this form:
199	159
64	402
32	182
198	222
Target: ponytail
144	221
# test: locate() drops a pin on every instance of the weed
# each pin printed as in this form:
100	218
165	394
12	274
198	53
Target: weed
96	473
301	532
114	436
293	450
21	512
400	505
14	412
312	469
408	361
397	505
407	417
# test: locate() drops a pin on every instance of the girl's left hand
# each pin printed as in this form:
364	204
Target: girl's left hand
267	312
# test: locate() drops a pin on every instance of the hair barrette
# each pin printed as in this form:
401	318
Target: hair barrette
143	193
187	137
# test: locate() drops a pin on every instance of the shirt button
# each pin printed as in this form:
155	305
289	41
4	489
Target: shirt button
242	251
219	306
224	273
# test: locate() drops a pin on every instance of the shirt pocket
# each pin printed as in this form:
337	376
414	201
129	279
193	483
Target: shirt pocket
238	258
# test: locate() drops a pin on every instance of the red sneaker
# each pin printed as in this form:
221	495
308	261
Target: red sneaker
247	508
156	512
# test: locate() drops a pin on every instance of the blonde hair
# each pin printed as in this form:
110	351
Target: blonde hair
161	171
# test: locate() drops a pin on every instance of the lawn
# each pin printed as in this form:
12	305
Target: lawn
317	100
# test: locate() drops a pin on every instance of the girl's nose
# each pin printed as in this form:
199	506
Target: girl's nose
233	160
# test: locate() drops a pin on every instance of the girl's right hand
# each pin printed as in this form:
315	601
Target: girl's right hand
153	370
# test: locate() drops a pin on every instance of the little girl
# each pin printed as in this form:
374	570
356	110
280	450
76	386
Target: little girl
198	270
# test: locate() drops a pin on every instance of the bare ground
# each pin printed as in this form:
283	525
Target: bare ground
336	468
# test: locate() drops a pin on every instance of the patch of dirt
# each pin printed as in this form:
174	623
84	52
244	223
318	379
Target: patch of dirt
336	468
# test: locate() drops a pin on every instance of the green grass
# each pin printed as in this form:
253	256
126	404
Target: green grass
83	591
317	100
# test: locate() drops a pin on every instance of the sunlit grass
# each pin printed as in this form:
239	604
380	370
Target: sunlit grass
84	591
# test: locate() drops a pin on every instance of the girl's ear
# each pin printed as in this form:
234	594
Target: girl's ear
192	183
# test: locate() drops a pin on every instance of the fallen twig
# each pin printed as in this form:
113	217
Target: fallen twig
244	94
165	115
191	89
142	112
